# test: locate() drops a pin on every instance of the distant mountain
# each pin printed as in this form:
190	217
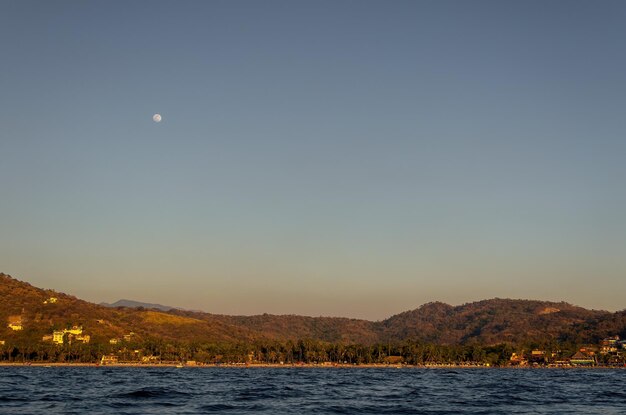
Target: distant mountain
138	304
484	322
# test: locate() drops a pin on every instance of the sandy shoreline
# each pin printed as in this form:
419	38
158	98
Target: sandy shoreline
244	366
290	366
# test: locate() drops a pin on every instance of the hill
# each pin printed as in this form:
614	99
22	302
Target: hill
486	322
492	322
40	316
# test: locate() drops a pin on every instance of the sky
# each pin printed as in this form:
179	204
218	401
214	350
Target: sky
336	158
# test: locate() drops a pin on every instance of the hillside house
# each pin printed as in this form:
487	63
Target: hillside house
51	300
128	337
57	336
609	345
2	342
47	338
15	323
114	341
85	338
75	330
16	326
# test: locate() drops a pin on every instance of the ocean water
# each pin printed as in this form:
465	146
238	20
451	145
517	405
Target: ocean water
98	390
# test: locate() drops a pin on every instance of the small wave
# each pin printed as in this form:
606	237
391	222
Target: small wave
152	393
257	393
217	407
14	399
12	377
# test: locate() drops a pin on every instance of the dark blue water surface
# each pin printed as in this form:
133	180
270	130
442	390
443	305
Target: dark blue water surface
72	390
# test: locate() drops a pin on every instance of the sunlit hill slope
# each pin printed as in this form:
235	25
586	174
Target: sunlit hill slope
40	312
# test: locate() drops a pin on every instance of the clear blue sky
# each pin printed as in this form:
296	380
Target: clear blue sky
353	158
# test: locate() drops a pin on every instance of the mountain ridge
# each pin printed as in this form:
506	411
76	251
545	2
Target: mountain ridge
137	304
491	321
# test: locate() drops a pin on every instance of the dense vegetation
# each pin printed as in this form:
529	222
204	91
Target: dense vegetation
486	331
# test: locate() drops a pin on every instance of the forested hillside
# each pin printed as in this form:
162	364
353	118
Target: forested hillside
488	323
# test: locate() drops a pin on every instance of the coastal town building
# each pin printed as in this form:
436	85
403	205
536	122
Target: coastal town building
150	359
518	360
581	358
589	350
537	357
51	300
585	356
609	345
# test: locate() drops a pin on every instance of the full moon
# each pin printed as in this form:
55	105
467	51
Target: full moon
156	117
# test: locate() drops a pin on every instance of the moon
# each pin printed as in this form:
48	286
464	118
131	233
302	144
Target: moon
157	118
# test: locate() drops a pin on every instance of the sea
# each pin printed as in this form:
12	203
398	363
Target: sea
118	390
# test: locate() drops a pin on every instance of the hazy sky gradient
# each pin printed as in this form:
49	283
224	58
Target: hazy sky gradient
353	158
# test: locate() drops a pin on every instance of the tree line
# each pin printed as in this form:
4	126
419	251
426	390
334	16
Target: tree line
307	351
